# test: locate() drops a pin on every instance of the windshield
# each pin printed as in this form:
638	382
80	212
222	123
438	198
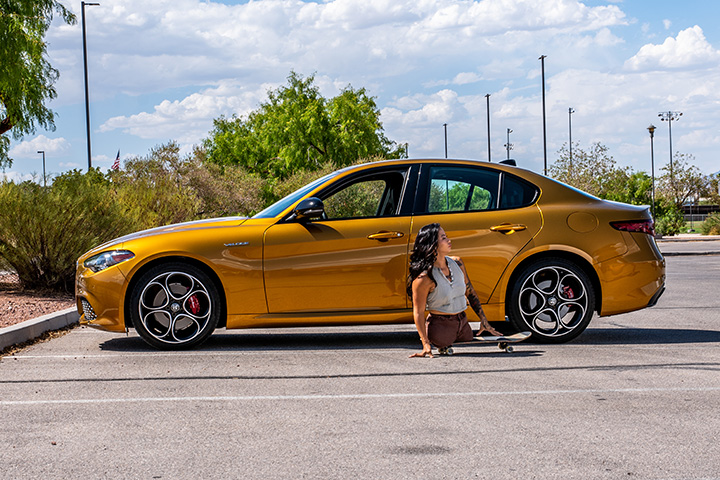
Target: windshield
278	207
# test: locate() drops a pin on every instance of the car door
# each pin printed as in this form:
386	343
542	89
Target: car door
489	215
352	259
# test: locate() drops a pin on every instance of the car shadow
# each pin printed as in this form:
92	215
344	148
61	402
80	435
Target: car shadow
645	336
246	340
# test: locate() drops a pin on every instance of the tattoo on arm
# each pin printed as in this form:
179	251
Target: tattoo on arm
474	301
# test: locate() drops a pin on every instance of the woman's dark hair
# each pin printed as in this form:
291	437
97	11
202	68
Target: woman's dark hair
424	254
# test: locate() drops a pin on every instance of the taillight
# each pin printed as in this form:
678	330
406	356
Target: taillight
640	226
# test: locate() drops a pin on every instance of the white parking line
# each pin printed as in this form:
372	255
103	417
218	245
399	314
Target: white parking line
368	396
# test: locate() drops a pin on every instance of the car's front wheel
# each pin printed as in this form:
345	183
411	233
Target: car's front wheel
553	298
174	306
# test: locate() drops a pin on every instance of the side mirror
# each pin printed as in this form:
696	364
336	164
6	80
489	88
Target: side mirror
309	208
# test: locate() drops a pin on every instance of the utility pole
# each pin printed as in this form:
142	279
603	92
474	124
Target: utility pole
85	64
445	127
542	64
487	99
508	145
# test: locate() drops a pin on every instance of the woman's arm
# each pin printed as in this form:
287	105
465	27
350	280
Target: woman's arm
474	302
420	290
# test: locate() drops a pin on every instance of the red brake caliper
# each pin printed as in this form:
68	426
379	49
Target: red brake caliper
568	291
194	304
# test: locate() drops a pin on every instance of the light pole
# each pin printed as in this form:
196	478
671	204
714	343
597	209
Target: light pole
651	129
487	100
669	116
43	154
85	64
445	127
542	63
570	112
508	145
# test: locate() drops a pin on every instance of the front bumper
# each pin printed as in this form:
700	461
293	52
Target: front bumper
99	298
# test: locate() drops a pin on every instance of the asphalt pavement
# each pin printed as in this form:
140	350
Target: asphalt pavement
635	396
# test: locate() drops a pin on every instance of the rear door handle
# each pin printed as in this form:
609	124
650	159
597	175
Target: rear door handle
385	235
508	228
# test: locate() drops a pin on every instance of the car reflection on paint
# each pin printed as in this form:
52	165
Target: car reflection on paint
542	256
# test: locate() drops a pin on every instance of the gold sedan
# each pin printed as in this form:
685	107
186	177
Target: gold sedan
542	256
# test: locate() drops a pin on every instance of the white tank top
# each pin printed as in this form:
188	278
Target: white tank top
448	297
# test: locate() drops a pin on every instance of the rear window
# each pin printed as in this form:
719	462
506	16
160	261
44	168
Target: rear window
516	193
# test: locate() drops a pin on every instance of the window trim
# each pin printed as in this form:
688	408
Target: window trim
409	172
422	192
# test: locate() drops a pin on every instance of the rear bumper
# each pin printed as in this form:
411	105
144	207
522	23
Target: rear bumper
634	280
656	297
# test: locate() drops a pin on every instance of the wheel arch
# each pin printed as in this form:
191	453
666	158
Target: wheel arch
565	255
170	259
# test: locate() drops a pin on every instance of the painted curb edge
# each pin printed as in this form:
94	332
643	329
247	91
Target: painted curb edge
33	328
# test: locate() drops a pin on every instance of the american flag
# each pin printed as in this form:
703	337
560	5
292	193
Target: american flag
116	163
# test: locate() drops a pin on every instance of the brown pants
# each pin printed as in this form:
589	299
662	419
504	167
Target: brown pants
444	330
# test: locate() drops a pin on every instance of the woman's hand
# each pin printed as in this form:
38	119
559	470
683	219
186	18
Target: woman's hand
427	351
485	327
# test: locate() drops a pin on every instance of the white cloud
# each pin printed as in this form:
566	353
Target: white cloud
190	119
18	177
29	148
667	24
70	165
689	49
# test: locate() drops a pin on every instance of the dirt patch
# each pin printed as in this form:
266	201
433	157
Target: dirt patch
18	305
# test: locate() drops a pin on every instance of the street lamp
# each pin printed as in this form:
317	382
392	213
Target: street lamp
487	100
445	127
542	63
87	105
508	145
669	116
570	112
43	154
651	129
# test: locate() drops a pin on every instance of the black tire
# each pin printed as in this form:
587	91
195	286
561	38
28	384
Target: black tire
553	298
175	306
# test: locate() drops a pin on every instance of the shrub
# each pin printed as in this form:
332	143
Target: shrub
44	230
711	226
670	223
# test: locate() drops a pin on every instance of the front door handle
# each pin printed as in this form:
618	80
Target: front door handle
385	235
508	228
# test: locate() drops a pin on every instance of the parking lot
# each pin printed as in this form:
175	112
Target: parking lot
635	396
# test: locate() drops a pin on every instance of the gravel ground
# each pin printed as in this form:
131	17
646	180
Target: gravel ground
18	305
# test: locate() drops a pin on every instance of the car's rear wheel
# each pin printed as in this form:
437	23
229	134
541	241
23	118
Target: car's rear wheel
553	298
175	306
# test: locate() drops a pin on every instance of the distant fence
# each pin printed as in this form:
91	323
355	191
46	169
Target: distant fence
698	213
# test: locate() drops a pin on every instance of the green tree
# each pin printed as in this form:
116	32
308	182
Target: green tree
163	188
298	129
44	230
684	182
26	77
593	171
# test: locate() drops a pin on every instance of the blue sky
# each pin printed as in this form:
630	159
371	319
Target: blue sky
163	70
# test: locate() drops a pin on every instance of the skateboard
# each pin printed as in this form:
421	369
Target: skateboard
503	342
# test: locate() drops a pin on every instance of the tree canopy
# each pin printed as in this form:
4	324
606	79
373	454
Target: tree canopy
596	172
26	76
298	129
684	182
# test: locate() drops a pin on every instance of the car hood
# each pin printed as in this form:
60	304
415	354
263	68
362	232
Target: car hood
177	227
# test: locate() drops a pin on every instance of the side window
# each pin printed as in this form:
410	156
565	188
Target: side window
462	189
516	193
377	195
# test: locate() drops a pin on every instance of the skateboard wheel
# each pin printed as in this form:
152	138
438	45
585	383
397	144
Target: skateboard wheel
509	349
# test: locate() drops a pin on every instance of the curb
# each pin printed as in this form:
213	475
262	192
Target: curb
687	254
33	328
689	238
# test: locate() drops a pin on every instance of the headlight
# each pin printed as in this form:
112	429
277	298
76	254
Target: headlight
103	260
